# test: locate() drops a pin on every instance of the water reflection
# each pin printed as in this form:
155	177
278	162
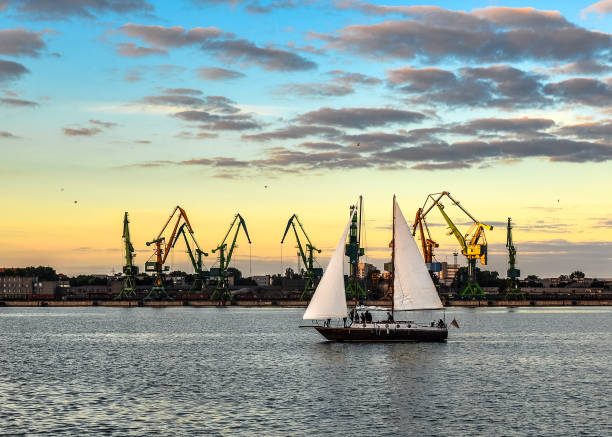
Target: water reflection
190	371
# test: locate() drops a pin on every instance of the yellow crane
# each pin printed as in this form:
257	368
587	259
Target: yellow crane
473	243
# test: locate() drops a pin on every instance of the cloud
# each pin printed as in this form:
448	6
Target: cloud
183	91
486	35
17	102
602	7
270	59
256	7
5	134
10	70
216	73
293	132
312	156
315	89
444	166
174	100
496	85
523	125
554	149
132	50
142	142
587	66
163	71
581	90
186	135
214	40
84	131
341	84
421	79
344	77
216	112
593	130
321	146
376	140
97	128
359	118
167	37
216	162
104	124
63	9
21	42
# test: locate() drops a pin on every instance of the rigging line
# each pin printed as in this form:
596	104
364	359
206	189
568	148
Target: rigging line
281	260
250	262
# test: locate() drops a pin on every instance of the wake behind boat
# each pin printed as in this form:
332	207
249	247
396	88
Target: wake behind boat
412	290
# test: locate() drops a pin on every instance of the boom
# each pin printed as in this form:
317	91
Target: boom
427	244
221	292
473	243
196	260
128	291
512	290
161	252
307	255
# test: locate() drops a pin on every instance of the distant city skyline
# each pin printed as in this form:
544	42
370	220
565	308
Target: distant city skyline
270	108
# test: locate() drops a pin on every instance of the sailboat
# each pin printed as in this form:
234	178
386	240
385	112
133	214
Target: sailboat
411	287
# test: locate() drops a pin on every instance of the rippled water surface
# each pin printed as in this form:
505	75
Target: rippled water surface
188	371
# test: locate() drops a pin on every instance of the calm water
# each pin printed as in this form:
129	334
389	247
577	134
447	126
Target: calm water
188	371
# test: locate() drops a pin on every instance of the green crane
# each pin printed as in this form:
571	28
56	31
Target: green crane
353	251
306	255
222	292
128	291
196	260
512	289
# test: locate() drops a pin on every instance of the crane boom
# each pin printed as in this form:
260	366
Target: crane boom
221	292
473	243
306	254
161	253
454	230
128	291
427	244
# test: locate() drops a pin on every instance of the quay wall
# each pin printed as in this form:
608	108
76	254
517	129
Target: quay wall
292	303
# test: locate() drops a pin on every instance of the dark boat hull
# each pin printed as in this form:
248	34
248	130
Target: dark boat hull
382	334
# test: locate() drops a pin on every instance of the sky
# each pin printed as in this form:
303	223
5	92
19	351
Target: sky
271	108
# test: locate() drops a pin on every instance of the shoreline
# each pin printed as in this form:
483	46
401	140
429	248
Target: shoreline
294	304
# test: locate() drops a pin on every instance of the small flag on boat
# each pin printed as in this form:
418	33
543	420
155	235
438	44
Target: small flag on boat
454	323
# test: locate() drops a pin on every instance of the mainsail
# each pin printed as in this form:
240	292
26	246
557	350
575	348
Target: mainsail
329	299
413	288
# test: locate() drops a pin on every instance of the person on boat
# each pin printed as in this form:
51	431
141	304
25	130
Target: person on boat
344	321
368	316
389	317
441	324
363	318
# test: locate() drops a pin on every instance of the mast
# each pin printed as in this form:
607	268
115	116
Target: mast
358	252
392	279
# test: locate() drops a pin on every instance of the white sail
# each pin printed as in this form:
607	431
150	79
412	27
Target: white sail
413	288
329	299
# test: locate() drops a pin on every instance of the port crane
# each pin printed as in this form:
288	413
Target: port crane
306	254
195	256
222	292
128	291
353	251
161	252
512	288
427	244
473	243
